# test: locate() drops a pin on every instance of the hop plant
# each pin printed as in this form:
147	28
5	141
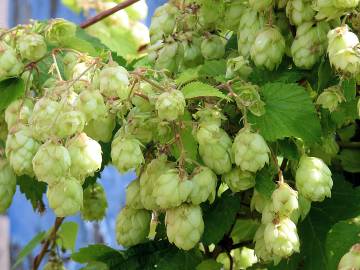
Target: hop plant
170	105
250	151
126	154
261	5
209	13
313	179
19	111
65	197
285	200
239	180
260	247
141	103
299	11
114	82
103	134
70	59
69	122
331	98
54	265
132	226
232	14
163	22
351	260
51	163
309	44
268	48
331	9
95	204
10	65
258	201
21	149
32	46
170	189
238	66
91	103
133	199
204	185
141	125
192	52
59	30
7	185
170	56
281	238
184	226
213	47
250	24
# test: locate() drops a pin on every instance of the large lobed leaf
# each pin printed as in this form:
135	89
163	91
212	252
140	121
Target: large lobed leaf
10	90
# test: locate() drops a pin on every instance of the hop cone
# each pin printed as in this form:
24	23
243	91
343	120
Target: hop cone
238	66
260	248
281	239
32	46
163	22
19	111
258	201
332	9
299	11
66	197
351	260
170	105
132	226
86	156
70	60
233	12
54	265
114	81
20	150
91	104
10	65
184	226
192	52
133	199
7	185
309	44
103	134
213	47
204	186
331	98
285	200
239	180
250	151
59	30
142	104
126	154
141	125
95	203
170	56
313	179
261	5
268	48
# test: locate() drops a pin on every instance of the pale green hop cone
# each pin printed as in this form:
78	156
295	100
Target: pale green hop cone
7	185
239	180
95	203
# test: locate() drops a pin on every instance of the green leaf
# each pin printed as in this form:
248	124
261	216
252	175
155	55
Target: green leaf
67	235
213	68
209	264
187	76
346	112
10	90
199	89
32	189
80	45
219	217
350	160
96	252
264	181
29	248
349	87
244	230
288	149
179	260
342	236
289	113
324	74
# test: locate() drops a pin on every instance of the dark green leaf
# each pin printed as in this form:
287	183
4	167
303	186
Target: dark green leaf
264	181
232	43
324	74
219	217
10	90
32	189
29	248
345	113
209	264
179	260
244	230
342	236
187	75
67	235
199	89
288	108
349	87
213	68
97	252
288	149
350	160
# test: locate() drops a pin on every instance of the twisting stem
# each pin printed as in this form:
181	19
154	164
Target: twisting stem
106	13
50	240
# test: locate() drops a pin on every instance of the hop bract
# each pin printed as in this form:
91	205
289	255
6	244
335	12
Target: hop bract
60	30
184	226
213	47
133	199
331	9
163	22
19	111
91	104
204	183
260	247
313	179
10	65
65	197
350	260
285	200
114	81
132	226
258	201
250	151
7	185
268	48
103	134
126	154
32	46
299	11
95	204
239	180
170	105
281	238
330	98
261	5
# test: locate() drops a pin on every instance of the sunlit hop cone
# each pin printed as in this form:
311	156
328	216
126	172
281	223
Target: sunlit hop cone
10	65
204	185
331	9
132	226
103	134
184	226
59	30
51	163
281	238
95	204
32	46
260	247
7	185
331	98
20	150
91	104
351	260
258	201
133	199
285	200
313	179
114	81
239	180
170	56
19	111
233	12
250	151
309	44
126	154
261	5
213	47
299	11
268	48
65	197
163	22
170	105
